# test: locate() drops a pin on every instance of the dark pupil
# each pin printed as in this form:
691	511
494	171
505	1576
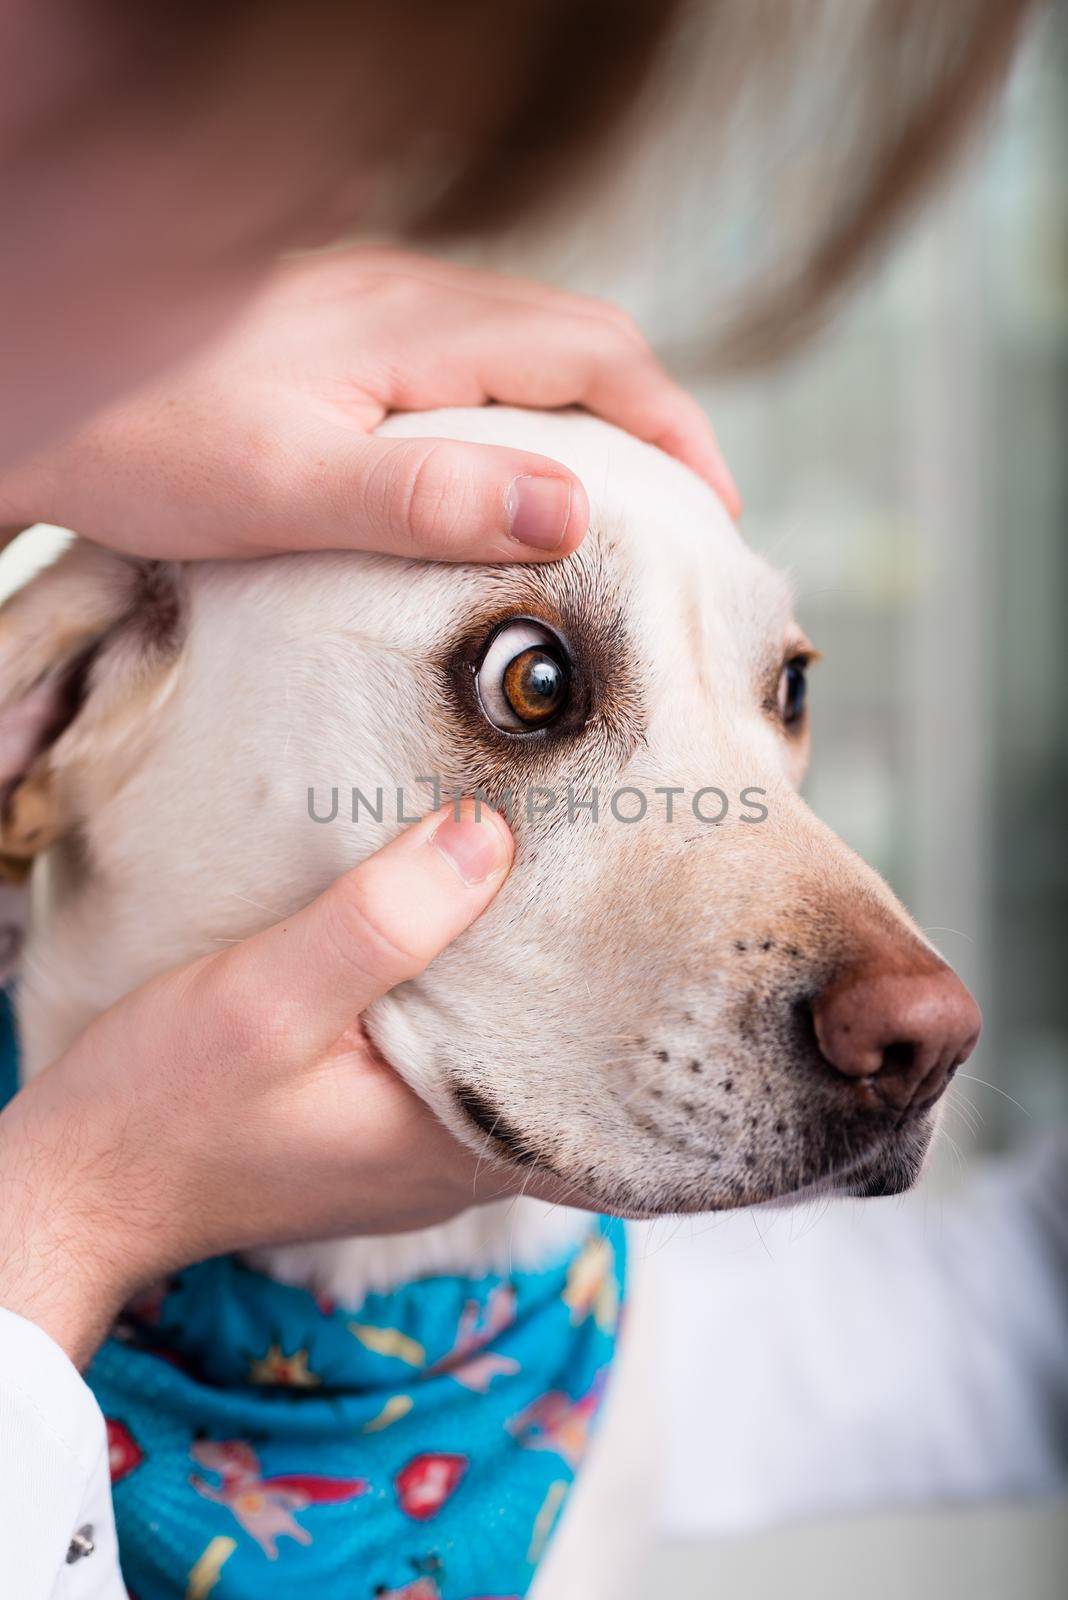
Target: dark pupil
542	679
534	685
795	690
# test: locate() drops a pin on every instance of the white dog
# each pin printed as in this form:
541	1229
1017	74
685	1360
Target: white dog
710	1005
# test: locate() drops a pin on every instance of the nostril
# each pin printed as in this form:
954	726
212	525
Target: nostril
897	1035
899	1056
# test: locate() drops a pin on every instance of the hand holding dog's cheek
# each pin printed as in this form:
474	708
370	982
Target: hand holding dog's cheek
236	1102
267	443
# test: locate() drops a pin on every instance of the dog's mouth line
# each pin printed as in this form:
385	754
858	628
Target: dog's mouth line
866	1173
509	1143
513	1150
880	1158
506	1138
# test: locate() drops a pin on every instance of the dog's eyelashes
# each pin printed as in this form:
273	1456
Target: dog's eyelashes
524	679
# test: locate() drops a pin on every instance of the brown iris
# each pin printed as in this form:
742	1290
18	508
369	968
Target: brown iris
535	685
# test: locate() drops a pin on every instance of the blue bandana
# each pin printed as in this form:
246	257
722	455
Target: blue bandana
266	1444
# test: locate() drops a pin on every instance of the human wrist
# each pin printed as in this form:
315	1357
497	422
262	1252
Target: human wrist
66	1263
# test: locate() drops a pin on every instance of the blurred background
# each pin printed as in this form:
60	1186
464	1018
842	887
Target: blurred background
874	1398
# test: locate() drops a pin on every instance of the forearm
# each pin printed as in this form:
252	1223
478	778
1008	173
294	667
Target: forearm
60	1267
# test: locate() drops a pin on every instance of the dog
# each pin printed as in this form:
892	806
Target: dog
689	995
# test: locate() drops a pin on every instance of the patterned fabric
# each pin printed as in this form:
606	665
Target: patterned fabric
265	1443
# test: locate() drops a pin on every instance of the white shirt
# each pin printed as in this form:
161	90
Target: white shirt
55	1486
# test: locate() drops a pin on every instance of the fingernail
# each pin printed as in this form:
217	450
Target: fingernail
539	510
474	850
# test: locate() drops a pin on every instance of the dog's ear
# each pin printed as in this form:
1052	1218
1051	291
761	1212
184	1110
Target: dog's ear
88	649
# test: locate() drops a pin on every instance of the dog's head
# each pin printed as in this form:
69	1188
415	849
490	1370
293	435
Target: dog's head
688	995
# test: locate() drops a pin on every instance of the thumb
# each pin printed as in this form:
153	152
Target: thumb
311	976
441	500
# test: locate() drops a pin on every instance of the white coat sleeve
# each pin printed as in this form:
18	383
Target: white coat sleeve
57	1527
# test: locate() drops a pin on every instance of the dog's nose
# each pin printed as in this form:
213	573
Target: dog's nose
898	1036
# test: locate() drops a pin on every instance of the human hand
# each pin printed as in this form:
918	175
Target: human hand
267	443
236	1101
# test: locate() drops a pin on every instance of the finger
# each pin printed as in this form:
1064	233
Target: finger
533	345
500	288
441	500
652	407
553	361
310	977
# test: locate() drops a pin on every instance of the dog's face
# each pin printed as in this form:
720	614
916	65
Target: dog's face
702	1007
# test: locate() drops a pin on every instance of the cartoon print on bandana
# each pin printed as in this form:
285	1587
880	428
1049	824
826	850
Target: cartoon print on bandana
425	1483
591	1285
265	1507
277	1367
460	1408
206	1570
427	1589
124	1452
457	1406
469	1362
425	1586
422	1587
558	1423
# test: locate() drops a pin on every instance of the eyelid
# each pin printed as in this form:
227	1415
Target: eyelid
510	640
803	652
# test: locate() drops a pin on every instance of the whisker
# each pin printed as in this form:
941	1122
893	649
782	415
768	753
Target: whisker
257	905
970	1076
967	1114
760	1236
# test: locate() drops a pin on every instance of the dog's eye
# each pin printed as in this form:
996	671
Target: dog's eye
524	681
793	685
